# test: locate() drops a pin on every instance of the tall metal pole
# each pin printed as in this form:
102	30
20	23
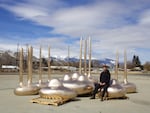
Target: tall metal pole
17	55
30	51
116	65
31	63
26	54
125	66
28	63
80	62
90	50
49	65
68	58
21	68
40	66
85	54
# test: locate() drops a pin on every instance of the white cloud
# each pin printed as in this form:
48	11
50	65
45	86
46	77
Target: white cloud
145	18
109	23
58	47
26	11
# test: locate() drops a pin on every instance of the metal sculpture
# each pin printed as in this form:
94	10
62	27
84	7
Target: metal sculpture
49	64
78	83
68	58
41	84
89	84
56	88
89	51
28	89
85	58
75	76
115	90
116	65
86	43
90	78
80	62
129	87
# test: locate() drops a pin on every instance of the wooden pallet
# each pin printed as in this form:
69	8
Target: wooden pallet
53	100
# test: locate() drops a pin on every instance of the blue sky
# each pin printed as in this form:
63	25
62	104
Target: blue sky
112	24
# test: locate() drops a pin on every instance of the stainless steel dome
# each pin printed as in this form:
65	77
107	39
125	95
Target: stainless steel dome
78	83
129	87
56	88
115	90
28	89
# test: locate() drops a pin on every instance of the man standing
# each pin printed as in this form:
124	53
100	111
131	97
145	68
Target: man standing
103	84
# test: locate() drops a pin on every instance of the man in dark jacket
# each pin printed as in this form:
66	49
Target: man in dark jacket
103	84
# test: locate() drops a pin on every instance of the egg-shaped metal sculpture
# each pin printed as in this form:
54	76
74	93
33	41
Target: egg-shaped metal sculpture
78	83
56	88
115	90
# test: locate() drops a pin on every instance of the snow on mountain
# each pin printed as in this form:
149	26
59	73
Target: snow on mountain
72	59
107	61
63	60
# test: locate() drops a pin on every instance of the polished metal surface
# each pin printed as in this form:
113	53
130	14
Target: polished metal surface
29	89
116	65
68	58
26	90
75	76
41	84
85	57
89	84
90	53
56	88
67	78
40	67
78	83
92	79
80	62
129	87
115	90
21	68
49	64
